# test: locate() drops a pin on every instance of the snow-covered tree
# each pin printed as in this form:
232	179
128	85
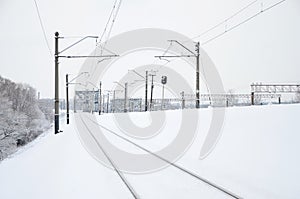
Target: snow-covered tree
21	119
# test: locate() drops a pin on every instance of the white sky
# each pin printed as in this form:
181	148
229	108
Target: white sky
266	49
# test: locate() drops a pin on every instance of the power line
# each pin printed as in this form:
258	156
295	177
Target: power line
42	26
241	23
111	19
225	20
115	14
114	19
208	30
110	15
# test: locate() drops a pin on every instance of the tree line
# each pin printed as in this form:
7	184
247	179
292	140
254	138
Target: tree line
22	117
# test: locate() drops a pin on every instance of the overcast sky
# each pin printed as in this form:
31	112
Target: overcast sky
266	49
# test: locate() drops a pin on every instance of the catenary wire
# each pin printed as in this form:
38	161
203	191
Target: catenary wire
225	20
43	28
243	22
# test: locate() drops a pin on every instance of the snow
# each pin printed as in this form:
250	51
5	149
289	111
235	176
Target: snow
255	157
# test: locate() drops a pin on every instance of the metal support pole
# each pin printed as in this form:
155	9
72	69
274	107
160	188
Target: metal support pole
197	56
151	97
114	101
146	92
130	108
197	75
100	99
125	97
56	98
103	104
183	100
92	101
162	97
67	95
107	103
279	100
252	98
95	101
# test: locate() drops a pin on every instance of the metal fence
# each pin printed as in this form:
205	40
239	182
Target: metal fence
89	101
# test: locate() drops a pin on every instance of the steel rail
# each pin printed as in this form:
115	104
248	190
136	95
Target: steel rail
227	192
120	174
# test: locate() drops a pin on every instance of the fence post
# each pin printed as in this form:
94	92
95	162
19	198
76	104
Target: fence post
183	100
252	98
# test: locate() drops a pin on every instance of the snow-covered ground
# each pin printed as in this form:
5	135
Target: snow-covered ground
255	157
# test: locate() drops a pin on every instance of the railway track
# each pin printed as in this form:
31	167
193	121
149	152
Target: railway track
130	187
120	174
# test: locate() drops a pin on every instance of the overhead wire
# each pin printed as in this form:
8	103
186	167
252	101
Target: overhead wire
43	28
112	14
225	20
262	10
243	22
111	19
165	52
